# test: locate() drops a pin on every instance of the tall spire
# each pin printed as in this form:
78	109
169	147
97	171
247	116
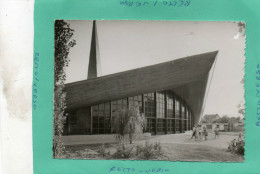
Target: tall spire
94	67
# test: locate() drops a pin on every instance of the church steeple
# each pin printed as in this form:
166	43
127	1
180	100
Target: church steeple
94	67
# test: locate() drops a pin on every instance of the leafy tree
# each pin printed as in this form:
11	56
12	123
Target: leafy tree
234	119
223	119
128	121
209	118
62	43
227	119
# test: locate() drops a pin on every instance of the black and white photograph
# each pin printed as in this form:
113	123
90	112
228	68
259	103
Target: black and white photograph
149	90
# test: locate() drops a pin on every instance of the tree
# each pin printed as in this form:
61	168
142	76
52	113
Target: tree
209	118
62	44
223	119
227	119
128	121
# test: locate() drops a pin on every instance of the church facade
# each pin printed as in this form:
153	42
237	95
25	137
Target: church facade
171	95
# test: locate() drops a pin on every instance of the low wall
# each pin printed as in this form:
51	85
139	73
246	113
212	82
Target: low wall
95	139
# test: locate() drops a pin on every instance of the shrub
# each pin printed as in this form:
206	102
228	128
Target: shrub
158	148
63	42
237	146
240	147
149	150
102	151
123	153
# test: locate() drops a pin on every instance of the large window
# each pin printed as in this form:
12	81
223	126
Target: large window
177	125
118	105
160	105
188	118
149	105
161	127
170	127
183	115
71	123
177	108
184	125
170	112
170	106
190	122
136	101
150	127
101	118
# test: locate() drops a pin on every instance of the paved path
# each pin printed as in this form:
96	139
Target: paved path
221	142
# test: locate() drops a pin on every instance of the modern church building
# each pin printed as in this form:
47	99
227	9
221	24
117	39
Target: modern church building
171	94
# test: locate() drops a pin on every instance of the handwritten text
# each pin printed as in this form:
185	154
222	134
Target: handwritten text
35	79
135	171
169	3
258	94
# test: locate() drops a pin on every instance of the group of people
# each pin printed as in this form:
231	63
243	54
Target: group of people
199	132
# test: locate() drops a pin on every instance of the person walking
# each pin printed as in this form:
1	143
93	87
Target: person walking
194	133
200	133
216	130
205	133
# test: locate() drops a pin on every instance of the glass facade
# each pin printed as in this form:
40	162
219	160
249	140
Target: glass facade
188	118
136	101
101	117
177	108
165	112
161	125
178	124
118	105
78	122
183	117
170	100
170	126
183	114
160	105
150	127
149	105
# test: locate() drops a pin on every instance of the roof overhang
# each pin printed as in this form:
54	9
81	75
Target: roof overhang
185	76
194	94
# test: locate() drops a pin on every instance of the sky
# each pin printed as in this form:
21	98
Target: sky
126	45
